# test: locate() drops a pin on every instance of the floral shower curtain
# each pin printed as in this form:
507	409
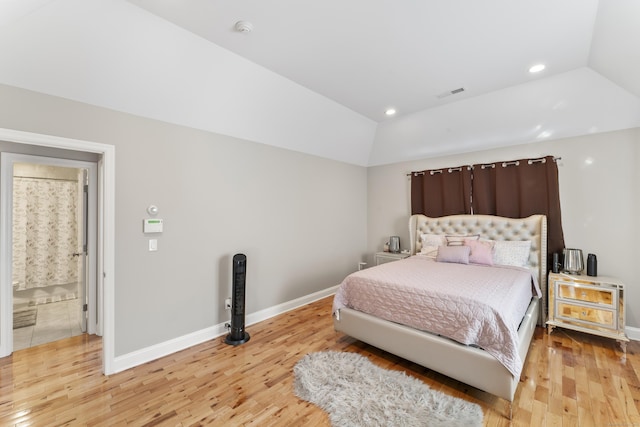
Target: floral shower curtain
45	232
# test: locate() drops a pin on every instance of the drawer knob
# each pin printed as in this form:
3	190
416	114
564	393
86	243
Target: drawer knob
584	294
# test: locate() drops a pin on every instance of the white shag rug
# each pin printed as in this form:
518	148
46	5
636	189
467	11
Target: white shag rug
357	393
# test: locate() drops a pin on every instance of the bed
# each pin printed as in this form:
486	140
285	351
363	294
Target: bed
470	364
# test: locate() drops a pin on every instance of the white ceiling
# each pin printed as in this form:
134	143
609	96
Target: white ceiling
365	55
371	54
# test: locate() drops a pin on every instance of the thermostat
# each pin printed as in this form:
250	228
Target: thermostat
152	225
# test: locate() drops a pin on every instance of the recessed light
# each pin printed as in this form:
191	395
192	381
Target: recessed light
544	134
390	111
537	68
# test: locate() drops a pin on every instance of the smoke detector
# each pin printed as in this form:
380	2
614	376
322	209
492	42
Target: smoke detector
244	26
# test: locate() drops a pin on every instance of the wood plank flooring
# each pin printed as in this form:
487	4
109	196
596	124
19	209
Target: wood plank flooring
570	379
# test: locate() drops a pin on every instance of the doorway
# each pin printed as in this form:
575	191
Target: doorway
53	251
32	143
53	247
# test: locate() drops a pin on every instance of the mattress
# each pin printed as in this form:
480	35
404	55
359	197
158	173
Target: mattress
472	304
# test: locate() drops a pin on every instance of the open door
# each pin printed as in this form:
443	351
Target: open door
83	217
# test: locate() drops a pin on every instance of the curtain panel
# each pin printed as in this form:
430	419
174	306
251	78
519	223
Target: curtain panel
513	189
441	192
518	189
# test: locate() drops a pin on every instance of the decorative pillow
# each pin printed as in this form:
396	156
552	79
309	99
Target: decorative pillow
514	253
430	244
459	240
429	251
481	251
456	254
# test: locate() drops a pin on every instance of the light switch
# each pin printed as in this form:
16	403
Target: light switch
153	244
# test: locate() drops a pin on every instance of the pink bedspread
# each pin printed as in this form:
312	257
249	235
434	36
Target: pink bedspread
472	304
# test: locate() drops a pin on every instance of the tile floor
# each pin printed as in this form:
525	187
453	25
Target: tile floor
55	321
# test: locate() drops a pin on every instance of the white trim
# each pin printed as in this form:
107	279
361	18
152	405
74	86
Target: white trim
6	288
268	313
100	252
157	351
633	333
106	229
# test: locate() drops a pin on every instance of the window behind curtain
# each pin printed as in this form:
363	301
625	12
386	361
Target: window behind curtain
513	189
441	192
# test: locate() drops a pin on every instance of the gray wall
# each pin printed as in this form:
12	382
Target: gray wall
300	219
304	222
599	196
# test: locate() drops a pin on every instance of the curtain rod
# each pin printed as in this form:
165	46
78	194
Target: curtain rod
45	178
485	165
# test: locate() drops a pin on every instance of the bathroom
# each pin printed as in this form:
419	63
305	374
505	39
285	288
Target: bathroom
48	255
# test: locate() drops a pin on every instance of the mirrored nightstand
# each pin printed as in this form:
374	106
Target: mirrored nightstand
591	304
382	257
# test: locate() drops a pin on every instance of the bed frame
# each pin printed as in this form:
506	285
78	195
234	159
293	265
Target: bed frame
467	364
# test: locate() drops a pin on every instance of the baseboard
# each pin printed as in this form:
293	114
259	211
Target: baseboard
144	355
139	357
268	313
633	333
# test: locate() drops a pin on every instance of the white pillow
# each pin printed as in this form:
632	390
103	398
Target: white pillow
514	253
430	244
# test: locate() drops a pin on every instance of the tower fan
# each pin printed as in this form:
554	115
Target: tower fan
237	334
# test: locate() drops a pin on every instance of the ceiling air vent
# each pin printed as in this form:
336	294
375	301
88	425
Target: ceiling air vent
451	92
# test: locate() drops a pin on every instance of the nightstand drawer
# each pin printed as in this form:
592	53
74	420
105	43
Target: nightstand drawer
598	296
383	257
590	315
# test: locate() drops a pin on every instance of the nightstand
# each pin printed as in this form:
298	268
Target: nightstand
594	305
382	257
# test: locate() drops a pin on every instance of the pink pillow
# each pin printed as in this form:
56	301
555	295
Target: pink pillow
481	251
457	254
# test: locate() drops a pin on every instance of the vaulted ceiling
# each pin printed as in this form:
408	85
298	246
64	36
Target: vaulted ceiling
318	77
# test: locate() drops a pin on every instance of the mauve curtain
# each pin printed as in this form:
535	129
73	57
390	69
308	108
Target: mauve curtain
518	189
441	192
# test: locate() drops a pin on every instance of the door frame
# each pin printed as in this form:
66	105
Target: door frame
105	238
89	281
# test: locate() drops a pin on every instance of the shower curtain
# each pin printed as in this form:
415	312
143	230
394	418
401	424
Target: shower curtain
45	232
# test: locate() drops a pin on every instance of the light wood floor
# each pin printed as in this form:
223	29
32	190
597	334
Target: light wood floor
570	379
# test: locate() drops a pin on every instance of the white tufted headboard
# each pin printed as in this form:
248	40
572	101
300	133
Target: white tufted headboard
533	228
